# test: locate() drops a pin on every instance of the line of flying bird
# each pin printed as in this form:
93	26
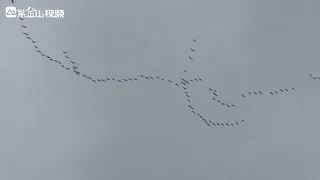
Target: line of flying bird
183	83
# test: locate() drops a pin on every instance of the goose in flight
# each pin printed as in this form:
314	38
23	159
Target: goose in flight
243	95
191	49
194	40
281	90
190	58
260	92
23	26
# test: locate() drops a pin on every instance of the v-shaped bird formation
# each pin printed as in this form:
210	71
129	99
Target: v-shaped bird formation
183	83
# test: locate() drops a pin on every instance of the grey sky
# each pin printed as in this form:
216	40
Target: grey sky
57	125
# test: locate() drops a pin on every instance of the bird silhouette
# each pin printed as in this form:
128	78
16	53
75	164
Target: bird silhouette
190	58
249	93
194	40
281	90
260	92
271	93
23	26
191	49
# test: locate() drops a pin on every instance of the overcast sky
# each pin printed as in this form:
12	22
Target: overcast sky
55	124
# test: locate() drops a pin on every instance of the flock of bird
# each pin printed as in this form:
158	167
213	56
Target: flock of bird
183	83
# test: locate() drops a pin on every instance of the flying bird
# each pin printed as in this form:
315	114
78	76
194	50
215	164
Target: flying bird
286	89
255	92
271	93
292	88
25	33
190	58
12	1
260	92
243	95
191	49
276	92
249	93
23	26
194	40
281	90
